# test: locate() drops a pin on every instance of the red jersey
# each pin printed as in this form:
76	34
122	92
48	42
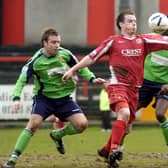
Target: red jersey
126	56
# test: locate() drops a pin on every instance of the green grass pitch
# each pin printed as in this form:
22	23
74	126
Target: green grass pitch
144	148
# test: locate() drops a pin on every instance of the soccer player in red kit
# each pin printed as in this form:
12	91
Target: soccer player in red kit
126	52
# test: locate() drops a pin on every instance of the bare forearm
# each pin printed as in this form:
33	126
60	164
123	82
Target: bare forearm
86	61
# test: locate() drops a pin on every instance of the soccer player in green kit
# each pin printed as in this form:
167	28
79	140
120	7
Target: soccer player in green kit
155	82
51	95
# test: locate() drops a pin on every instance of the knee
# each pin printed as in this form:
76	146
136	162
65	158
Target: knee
81	125
123	115
33	125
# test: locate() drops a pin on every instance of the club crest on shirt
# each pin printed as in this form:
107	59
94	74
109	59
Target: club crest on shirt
139	41
60	58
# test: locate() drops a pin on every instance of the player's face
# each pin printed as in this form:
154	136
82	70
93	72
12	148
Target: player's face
51	46
129	26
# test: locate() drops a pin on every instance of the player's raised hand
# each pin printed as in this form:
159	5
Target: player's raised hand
67	75
106	83
15	105
98	81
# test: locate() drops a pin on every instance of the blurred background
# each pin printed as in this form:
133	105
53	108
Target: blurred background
83	24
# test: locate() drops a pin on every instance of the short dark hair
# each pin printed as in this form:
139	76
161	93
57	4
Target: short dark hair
46	33
165	33
121	16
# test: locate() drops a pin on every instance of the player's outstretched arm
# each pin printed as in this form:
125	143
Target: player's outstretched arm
86	61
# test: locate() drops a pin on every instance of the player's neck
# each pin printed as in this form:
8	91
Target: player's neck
128	36
47	54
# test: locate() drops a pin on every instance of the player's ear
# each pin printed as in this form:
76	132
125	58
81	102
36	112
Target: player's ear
120	24
44	43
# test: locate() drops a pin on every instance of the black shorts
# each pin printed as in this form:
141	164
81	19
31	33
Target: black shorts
149	90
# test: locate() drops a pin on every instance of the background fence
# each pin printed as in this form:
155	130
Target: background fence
82	25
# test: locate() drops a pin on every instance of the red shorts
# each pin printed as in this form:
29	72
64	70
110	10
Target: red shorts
123	96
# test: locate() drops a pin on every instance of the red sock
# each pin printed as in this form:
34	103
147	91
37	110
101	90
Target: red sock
118	131
60	124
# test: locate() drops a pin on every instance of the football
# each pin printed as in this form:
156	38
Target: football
158	22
